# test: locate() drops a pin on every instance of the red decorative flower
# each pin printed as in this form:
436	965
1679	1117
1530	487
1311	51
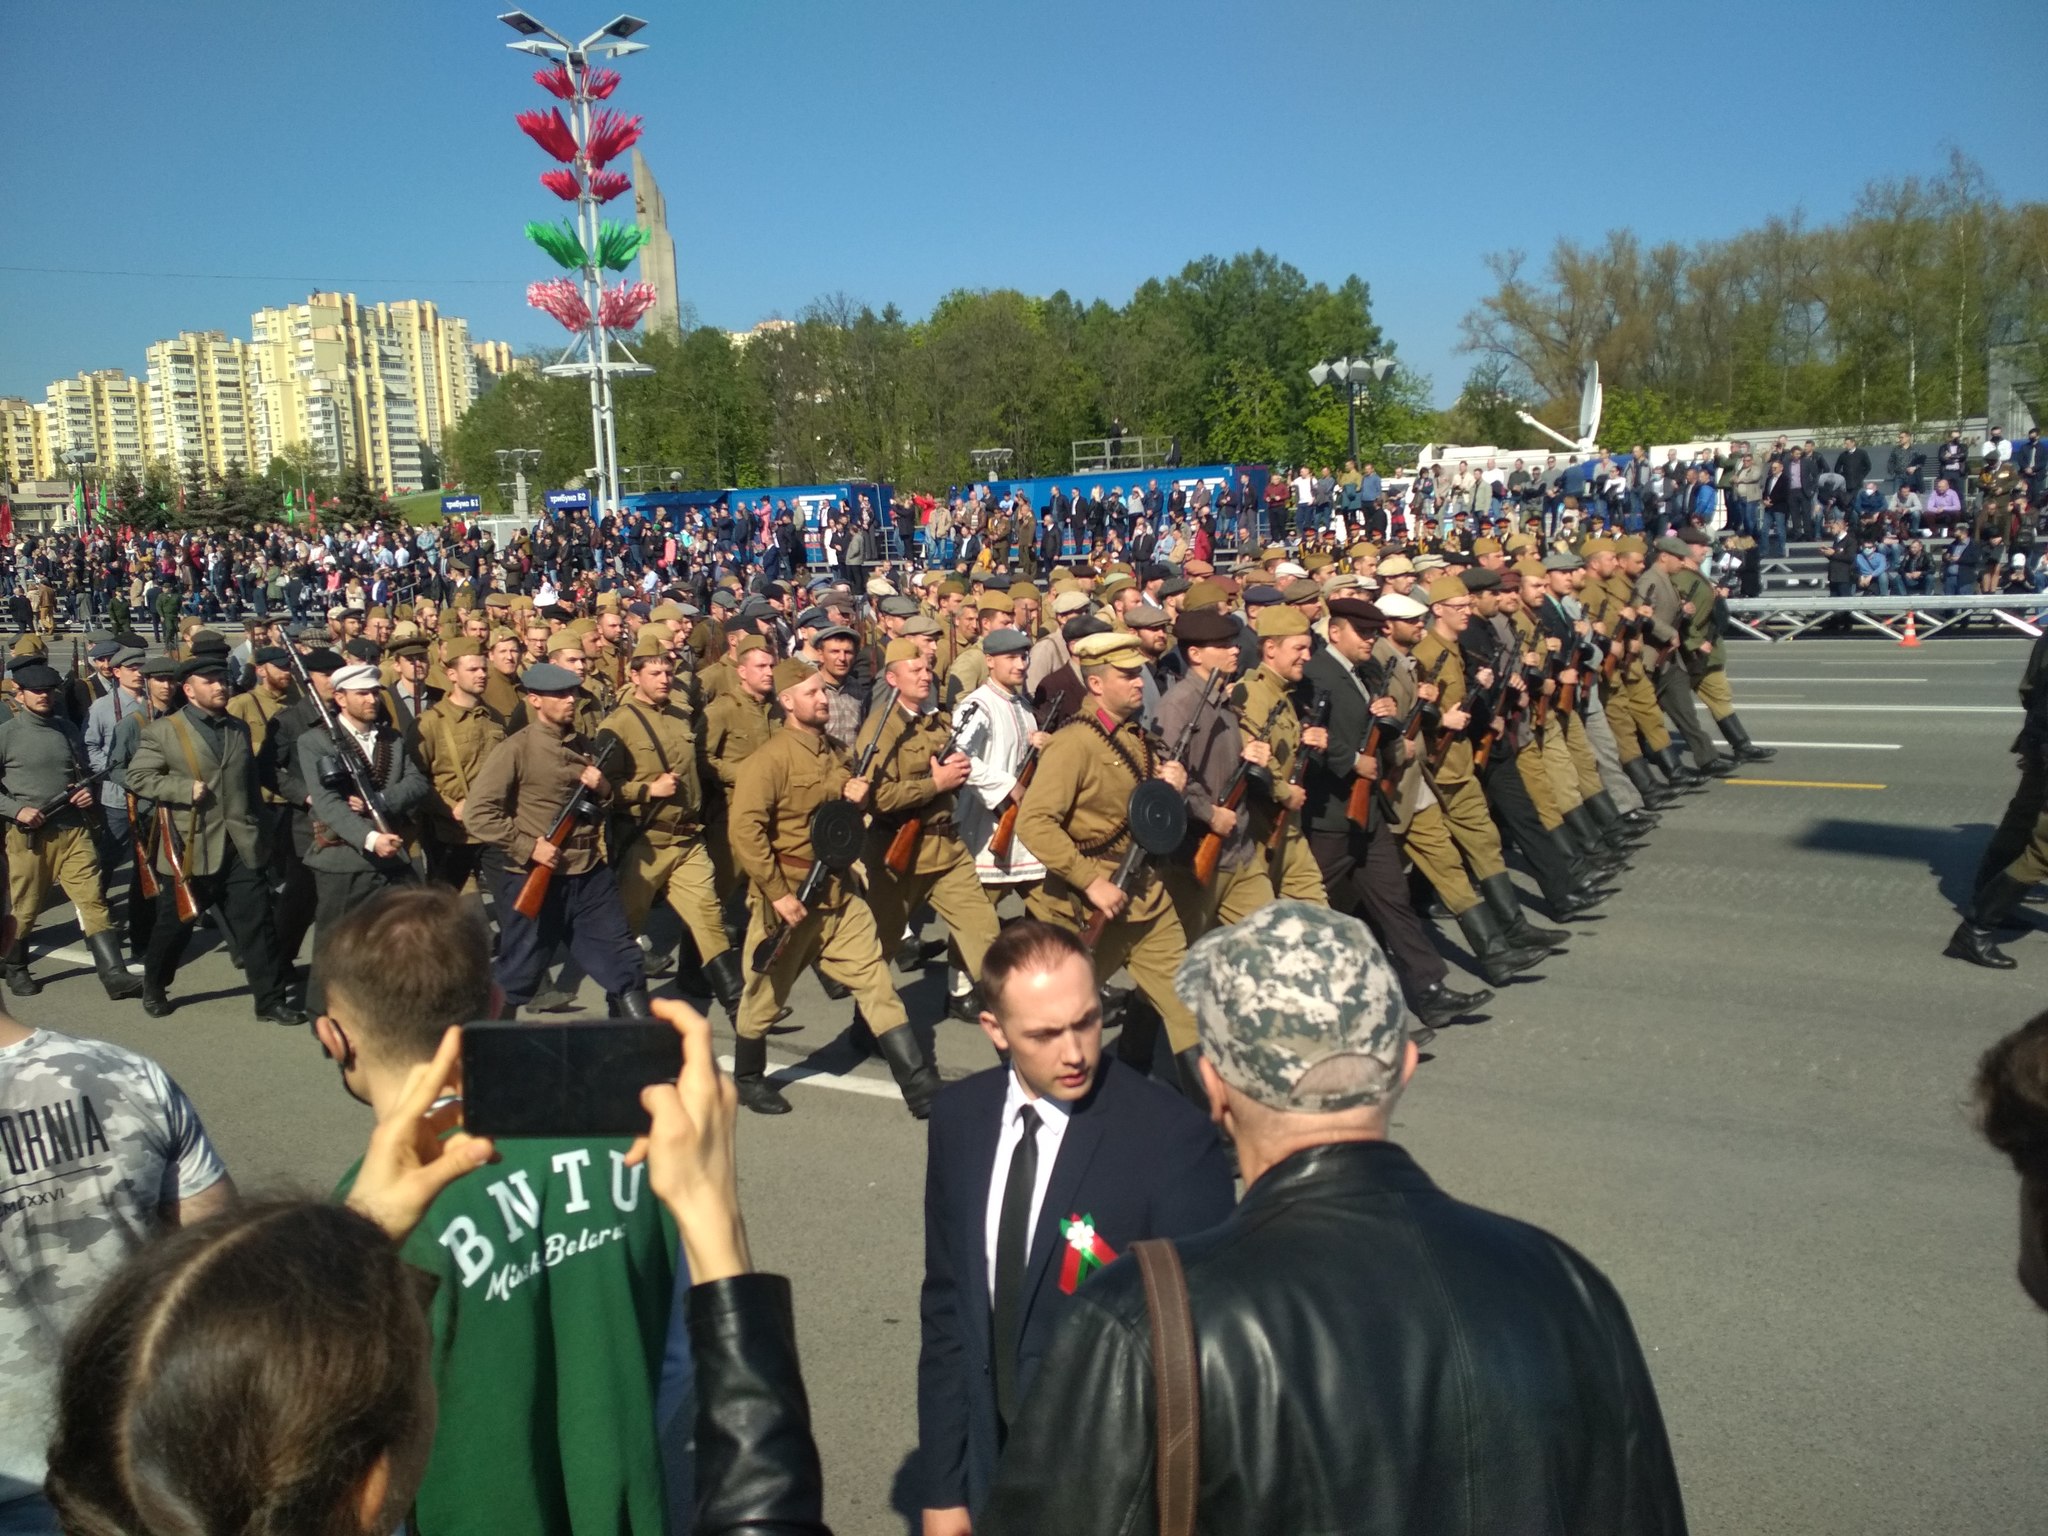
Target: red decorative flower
555	81
563	184
611	134
562	299
620	308
552	134
606	185
600	83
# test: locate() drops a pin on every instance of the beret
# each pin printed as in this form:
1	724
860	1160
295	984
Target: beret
1207	625
1279	623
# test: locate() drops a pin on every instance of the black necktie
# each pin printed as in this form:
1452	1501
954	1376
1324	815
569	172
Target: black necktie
1013	1247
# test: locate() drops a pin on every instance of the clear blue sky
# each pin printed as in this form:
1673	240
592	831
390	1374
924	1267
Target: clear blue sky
896	149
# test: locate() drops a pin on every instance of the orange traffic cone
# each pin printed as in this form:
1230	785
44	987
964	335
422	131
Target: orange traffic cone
1910	637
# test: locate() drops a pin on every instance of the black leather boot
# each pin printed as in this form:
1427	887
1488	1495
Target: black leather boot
1592	844
911	1067
722	975
1437	1005
1655	796
1498	892
15	965
1976	937
750	1077
1682	778
965	1006
633	1003
106	959
1619	830
1745	750
1500	961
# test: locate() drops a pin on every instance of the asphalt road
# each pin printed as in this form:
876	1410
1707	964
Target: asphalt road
1741	1093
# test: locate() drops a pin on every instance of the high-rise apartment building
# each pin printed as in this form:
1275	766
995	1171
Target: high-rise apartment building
494	360
658	255
24	447
438	362
200	402
102	415
334	375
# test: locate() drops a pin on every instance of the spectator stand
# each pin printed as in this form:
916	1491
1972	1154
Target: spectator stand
1774	618
1038	490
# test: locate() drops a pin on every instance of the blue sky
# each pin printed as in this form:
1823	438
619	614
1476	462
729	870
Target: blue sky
896	149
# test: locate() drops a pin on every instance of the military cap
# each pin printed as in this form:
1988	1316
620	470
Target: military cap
1530	569
1271	553
546	677
1261	596
343	610
899	607
360	678
1174	586
954	585
665	613
995	602
1022	590
1486	547
453	650
1111	648
1005	642
1143	616
1479	579
1318	561
414	644
922	624
1396	565
1594	547
1363	549
1446	589
650	645
1358	612
130	656
607	600
321	659
1670	546
1630	544
1302	590
1696	536
26	648
38	677
378	612
1113	584
1563	560
103	650
1278	623
901	649
1206	625
162	667
500	635
1517	543
1289	989
1204	594
791	673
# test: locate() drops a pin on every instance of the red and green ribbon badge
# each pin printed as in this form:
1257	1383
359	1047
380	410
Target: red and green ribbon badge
1086	1252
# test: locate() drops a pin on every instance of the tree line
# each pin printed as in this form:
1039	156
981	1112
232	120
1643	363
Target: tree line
1887	315
1216	356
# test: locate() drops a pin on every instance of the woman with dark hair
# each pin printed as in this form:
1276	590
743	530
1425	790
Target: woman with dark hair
267	1372
2012	1111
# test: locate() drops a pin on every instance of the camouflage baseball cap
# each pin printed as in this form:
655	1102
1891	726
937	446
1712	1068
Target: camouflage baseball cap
1288	990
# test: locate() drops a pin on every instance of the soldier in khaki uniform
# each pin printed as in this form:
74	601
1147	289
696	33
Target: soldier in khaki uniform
736	726
1265	711
1560	793
501	683
912	782
1075	818
1639	695
658	837
1705	648
1613	619
970	668
1654	590
453	739
795	771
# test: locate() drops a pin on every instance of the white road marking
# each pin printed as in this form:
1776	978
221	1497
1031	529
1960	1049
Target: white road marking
1766	677
816	1077
1893	709
1844	746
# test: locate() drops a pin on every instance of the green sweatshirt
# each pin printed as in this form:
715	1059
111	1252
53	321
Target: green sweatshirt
556	1269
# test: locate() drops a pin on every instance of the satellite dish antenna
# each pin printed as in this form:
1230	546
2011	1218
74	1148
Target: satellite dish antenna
1590	401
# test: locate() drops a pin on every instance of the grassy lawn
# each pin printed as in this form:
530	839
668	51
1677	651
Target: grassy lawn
422	508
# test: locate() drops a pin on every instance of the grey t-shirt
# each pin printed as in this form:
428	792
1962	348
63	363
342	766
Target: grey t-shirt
94	1141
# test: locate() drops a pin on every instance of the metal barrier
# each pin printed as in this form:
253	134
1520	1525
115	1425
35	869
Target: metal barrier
1930	614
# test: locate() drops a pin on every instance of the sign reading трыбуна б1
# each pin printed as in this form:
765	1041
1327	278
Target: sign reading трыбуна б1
456	506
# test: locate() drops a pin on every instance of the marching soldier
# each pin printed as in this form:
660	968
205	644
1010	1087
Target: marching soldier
46	791
515	801
1705	647
196	764
1654	591
1218	755
358	848
1265	712
102	725
916	772
2016	858
277	769
1075	817
1614	620
453	738
736	726
657	834
797	770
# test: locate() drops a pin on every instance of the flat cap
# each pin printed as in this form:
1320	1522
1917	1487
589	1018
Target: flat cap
1302	590
1478	578
546	677
1399	605
1292	988
104	650
162	667
1144	616
1396	565
38	677
1694	535
1207	625
899	607
197	666
1261	596
835	632
1005	642
1073	600
321	659
921	624
1563	560
360	678
1358	612
263	656
1174	586
1670	546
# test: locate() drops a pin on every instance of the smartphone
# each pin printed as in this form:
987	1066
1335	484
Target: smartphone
578	1077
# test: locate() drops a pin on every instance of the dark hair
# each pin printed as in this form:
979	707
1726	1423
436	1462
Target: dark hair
2012	1097
1026	945
410	962
244	1375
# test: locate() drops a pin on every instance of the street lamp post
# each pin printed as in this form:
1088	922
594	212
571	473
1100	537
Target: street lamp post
78	458
610	41
1356	374
518	460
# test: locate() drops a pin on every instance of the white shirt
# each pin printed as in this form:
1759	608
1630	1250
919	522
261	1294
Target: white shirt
1052	1126
367	745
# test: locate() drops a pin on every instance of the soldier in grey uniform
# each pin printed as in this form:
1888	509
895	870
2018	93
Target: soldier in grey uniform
46	791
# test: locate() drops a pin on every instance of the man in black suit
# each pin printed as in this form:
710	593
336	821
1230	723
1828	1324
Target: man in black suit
1039	1171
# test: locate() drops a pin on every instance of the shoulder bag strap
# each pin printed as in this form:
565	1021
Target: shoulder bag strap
1176	1384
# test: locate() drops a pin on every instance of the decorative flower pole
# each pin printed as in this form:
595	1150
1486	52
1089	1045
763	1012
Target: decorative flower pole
588	140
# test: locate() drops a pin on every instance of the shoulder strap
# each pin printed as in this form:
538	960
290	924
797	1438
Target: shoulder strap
1176	1383
654	741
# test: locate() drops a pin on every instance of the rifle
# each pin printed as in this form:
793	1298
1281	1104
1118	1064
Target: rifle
1137	853
902	852
361	782
181	888
1209	852
770	950
1318	718
145	875
581	804
1005	835
1368	787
